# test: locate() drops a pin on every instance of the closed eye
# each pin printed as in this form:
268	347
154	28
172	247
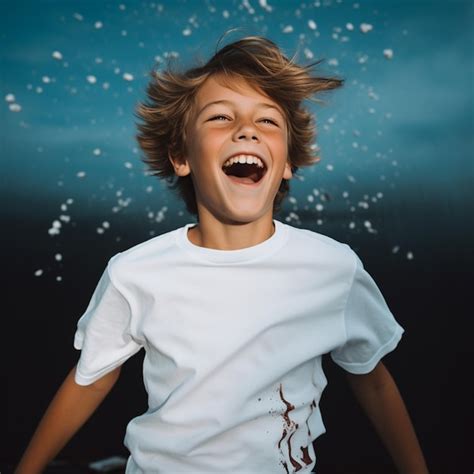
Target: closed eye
267	120
218	117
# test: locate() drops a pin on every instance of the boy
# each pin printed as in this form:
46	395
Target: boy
235	312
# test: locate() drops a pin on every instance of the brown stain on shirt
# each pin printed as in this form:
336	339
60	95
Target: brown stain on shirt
292	426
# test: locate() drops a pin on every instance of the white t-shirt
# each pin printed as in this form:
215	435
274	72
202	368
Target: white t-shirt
233	342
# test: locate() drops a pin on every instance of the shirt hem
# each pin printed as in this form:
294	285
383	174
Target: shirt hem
365	367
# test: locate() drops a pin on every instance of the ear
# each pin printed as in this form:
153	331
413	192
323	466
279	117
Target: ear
181	166
287	174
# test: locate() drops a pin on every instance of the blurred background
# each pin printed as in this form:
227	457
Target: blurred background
394	182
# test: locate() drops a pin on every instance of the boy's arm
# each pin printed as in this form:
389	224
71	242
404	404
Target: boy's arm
70	408
379	397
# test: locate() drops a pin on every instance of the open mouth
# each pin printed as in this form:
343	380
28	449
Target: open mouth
245	173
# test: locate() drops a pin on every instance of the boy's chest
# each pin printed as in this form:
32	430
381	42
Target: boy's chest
216	312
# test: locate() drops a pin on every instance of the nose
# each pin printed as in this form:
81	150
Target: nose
246	131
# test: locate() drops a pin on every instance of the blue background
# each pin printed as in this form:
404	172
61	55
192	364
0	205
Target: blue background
394	180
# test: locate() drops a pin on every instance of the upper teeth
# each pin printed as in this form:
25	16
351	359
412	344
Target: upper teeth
250	159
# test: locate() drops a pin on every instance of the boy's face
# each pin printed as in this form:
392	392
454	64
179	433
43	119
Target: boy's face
231	122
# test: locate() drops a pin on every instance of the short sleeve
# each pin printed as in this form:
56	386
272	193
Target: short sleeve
103	333
371	329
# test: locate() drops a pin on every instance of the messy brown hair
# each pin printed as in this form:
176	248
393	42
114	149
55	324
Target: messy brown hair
257	60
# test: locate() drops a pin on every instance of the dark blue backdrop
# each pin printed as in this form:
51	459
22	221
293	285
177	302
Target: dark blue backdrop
394	182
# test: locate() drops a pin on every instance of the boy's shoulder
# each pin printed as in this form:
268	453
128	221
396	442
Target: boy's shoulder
313	238
155	247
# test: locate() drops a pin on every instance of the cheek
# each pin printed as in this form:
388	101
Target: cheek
280	144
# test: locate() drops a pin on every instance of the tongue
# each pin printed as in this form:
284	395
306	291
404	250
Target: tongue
244	180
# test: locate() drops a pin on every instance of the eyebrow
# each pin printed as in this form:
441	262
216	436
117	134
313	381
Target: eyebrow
228	102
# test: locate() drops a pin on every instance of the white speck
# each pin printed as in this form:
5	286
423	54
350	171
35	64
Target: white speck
46	79
69	201
333	62
310	198
64	218
10	98
106	225
349	26
53	231
63	207
308	53
128	165
365	27
373	95
105	85
410	255
388	53
98	25
352	225
225	14
319	207
39	90
264	5
127	76
395	249
122	7
367	224
246	4
59	278
97	151
38	273
187	31
351	178
171	54
81	174
363	59
149	189
57	55
78	16
330	167
91	79
312	24
58	257
100	230
124	33
371	110
288	29
15	107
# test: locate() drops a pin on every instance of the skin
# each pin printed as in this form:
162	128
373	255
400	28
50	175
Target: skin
233	216
380	399
70	408
230	217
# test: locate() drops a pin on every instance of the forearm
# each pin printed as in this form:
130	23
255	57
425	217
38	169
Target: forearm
70	408
386	410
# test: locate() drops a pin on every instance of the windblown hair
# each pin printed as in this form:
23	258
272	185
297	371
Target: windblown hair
257	60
